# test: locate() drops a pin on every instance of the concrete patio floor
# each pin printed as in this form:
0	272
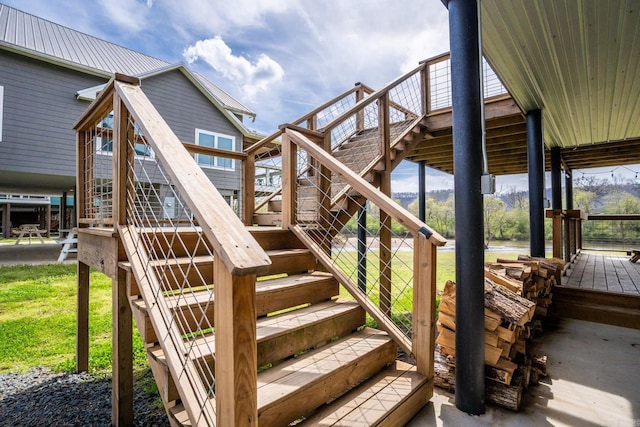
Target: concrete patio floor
594	380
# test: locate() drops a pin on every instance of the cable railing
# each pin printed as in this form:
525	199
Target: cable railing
382	255
439	71
611	232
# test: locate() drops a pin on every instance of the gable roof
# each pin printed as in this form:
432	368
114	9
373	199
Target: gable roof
36	37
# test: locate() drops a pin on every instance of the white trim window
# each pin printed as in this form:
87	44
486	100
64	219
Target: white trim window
1	109
215	140
105	145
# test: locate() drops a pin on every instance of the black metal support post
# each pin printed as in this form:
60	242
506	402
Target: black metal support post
556	178
62	214
568	185
535	160
467	160
422	189
362	249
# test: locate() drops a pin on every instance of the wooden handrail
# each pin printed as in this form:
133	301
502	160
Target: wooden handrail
360	185
307	116
614	217
239	251
369	99
217	152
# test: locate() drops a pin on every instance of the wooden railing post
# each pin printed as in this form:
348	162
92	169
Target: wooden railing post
556	216
360	113
249	189
425	89
122	338
385	218
424	304
82	321
289	181
236	348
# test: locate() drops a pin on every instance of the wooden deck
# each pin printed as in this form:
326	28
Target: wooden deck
607	273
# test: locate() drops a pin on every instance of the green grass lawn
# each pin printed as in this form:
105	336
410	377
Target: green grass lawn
38	319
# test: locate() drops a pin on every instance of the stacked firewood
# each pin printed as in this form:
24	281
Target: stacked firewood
515	292
529	277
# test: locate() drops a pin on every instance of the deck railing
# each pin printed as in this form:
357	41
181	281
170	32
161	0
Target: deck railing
573	230
566	233
150	166
388	265
614	232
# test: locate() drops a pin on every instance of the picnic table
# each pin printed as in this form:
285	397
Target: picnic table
69	243
634	254
30	230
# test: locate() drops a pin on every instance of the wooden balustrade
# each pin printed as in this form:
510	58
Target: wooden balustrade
567	233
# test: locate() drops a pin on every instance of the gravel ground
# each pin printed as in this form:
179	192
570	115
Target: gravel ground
43	398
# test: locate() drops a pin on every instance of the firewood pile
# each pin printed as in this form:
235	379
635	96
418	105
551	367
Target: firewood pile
517	293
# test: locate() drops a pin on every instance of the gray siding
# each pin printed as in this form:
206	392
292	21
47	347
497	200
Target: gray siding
39	109
185	108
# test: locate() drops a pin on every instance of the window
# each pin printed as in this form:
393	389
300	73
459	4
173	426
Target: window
1	109
105	145
215	140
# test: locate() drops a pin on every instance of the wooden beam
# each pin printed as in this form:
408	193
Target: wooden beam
424	304
82	323
122	354
236	378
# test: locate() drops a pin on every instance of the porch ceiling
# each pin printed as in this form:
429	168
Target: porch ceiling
579	61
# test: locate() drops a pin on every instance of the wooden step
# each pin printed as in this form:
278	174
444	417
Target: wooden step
267	218
292	389
189	242
271	295
278	337
178	271
275	205
290	261
275	238
391	397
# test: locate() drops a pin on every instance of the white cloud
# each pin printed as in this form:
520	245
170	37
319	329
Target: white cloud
253	77
129	15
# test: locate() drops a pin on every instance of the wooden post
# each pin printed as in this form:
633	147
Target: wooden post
289	178
425	87
249	189
82	325
122	339
385	219
122	359
557	233
236	348
424	304
80	193
324	196
360	113
567	238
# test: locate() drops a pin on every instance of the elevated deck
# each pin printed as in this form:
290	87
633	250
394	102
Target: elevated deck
602	272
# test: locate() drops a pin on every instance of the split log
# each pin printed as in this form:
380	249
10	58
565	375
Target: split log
497	393
511	306
447	339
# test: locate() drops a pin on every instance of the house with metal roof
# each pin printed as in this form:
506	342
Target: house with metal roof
48	76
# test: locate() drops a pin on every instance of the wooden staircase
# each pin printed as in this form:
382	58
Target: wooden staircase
361	153
318	364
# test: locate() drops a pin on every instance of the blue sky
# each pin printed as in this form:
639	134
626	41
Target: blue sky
281	58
